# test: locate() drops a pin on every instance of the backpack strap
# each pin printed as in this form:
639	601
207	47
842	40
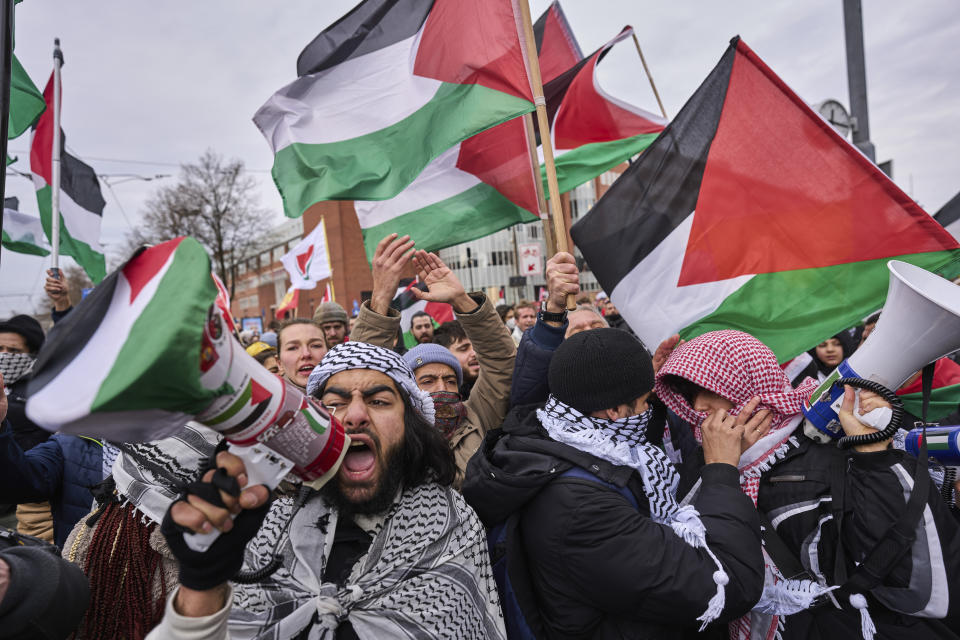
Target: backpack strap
583	474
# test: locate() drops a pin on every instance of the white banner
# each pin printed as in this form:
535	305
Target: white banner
308	263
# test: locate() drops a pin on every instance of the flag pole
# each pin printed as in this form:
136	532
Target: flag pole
6	64
559	225
55	160
541	199
643	61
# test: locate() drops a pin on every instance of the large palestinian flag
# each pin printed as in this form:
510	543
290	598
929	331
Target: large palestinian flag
125	364
481	185
477	187
407	304
751	212
591	130
81	203
388	88
22	233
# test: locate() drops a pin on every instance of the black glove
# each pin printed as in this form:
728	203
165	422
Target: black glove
218	564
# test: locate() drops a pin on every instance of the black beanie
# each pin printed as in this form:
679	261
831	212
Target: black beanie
600	369
27	327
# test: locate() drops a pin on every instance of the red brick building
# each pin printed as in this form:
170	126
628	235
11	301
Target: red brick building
261	280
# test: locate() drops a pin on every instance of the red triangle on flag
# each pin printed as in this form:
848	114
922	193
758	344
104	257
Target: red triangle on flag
782	190
303	259
257	393
142	269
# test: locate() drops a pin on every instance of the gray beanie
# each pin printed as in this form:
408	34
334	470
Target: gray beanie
428	353
330	312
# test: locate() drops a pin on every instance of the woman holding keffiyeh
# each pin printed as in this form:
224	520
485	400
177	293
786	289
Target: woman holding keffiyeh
789	479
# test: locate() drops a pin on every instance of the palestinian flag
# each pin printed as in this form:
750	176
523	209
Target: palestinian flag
388	88
944	393
751	212
22	233
949	216
557	47
407	304
591	130
81	203
479	186
128	357
289	303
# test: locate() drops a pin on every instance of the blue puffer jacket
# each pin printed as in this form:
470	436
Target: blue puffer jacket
62	470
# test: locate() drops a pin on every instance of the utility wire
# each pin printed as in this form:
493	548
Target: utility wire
157	163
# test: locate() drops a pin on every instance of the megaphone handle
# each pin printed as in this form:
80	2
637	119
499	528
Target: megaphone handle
263	466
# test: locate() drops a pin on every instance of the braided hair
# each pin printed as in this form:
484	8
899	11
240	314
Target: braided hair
122	569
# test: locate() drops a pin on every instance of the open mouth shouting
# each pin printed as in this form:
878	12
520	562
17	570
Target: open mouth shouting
360	464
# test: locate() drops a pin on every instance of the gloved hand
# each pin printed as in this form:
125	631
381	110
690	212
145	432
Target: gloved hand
208	504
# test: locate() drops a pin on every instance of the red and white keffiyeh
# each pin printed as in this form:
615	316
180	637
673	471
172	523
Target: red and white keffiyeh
738	367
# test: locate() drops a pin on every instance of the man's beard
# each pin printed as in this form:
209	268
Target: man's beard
389	484
424	338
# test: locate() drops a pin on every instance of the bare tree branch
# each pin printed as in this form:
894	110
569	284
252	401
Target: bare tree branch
214	201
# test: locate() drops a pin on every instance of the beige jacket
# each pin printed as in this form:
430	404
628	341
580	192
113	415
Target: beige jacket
490	398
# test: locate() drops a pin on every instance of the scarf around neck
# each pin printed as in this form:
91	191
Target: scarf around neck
738	367
426	574
624	442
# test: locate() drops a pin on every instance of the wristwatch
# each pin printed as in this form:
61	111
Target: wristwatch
549	316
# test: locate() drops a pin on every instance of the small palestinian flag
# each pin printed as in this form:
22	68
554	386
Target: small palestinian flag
591	130
944	393
388	88
557	47
81	203
407	304
22	233
751	212
125	364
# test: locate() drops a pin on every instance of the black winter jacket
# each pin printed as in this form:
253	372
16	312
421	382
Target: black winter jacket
598	567
796	496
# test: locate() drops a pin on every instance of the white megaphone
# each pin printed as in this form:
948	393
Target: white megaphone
920	323
188	367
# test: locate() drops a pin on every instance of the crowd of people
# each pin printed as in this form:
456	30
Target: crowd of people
523	471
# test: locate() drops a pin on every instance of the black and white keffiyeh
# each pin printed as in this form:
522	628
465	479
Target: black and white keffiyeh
624	442
152	475
426	574
13	366
361	355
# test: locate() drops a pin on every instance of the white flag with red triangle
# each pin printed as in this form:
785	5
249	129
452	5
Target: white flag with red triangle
308	262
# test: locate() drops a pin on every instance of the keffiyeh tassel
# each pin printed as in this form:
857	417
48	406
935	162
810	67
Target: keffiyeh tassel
624	442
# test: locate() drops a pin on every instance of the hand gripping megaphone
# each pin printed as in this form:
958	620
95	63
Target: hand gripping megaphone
920	323
148	350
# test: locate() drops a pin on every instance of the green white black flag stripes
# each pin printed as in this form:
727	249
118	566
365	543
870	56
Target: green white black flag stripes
22	233
720	223
141	327
388	88
81	203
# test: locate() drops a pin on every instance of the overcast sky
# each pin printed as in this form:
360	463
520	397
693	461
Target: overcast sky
147	88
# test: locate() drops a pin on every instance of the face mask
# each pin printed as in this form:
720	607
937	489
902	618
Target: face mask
511	324
14	366
449	411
